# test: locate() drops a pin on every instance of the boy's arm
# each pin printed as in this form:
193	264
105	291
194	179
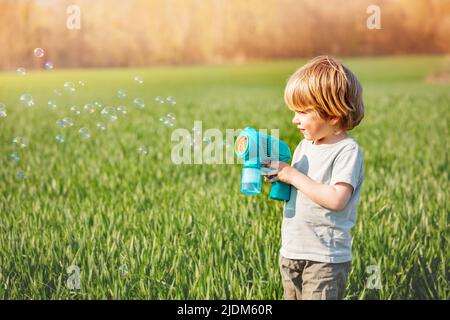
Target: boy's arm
334	197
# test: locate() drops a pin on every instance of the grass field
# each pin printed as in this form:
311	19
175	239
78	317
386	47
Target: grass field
140	227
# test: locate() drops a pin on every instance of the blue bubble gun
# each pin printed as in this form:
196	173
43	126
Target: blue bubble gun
255	148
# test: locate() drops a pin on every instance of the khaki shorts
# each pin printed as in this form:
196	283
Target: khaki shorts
310	280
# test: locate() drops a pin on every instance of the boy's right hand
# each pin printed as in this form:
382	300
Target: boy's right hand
270	178
267	172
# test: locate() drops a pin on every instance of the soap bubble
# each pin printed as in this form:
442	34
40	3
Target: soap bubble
21	71
48	65
26	100
58	92
139	103
75	110
123	270
14	156
51	104
168	121
98	104
159	99
143	150
100	126
121	94
69	87
64	123
60	123
171	100
138	79
59	138
38	52
122	110
20	142
20	174
68	121
109	114
84	133
206	140
89	108
3	113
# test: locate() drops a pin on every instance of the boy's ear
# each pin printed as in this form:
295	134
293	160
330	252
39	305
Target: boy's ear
334	121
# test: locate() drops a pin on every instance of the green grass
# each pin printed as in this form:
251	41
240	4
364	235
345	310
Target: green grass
185	232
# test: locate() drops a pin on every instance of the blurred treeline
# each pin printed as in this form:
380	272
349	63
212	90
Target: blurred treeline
149	32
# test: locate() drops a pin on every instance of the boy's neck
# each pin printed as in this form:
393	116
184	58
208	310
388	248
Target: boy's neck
331	139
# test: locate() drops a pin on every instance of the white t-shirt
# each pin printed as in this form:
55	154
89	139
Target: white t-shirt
310	231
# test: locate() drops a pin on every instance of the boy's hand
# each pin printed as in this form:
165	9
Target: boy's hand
281	171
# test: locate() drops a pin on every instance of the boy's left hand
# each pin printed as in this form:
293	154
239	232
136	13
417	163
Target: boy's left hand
282	171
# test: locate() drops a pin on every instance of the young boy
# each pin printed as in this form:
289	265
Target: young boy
326	177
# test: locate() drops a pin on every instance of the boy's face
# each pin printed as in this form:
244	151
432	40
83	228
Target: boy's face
311	126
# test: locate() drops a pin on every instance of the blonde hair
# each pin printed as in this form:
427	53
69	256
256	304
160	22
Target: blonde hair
330	89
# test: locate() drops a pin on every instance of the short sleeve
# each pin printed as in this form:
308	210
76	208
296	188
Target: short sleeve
348	168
